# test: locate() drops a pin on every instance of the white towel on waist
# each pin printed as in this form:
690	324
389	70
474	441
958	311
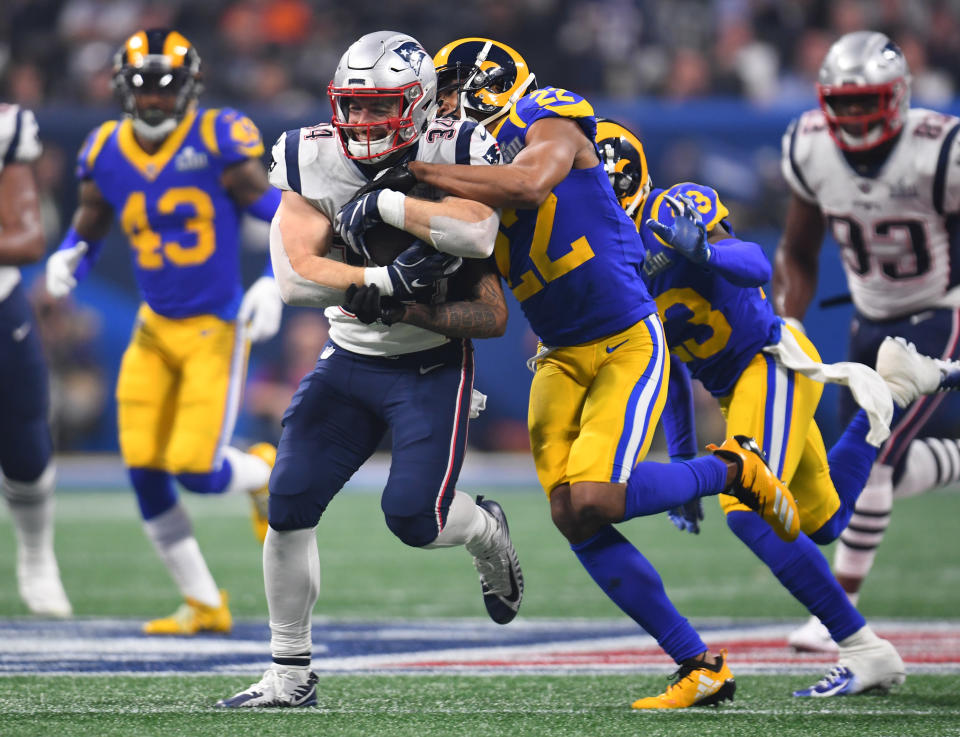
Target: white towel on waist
869	389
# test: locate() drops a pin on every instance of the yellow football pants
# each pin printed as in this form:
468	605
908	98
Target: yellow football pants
775	406
179	391
593	407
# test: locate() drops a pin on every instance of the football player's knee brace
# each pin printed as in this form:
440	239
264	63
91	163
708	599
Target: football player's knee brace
31	492
413	530
154	489
212	482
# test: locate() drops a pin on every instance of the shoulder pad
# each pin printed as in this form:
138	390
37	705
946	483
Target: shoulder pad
19	136
449	141
294	150
706	200
797	149
230	135
90	150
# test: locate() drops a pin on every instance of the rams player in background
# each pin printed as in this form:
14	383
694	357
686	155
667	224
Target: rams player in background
25	444
768	379
178	178
571	257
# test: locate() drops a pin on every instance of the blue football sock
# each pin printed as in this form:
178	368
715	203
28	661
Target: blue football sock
850	459
154	489
634	585
214	482
802	569
659	487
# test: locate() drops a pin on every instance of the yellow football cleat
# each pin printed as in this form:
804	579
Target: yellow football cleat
193	617
696	684
260	498
759	488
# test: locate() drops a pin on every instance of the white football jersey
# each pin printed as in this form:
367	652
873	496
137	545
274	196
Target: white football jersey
900	246
311	162
19	143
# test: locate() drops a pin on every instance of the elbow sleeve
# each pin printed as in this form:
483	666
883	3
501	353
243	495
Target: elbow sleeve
462	238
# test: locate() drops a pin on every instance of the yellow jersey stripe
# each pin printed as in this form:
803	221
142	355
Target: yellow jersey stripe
101	138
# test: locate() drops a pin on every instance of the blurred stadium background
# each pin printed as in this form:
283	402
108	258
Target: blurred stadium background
709	84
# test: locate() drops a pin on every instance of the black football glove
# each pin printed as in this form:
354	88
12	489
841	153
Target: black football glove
398	178
368	306
418	267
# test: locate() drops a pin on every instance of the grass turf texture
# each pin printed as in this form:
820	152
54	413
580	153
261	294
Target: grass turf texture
514	706
110	569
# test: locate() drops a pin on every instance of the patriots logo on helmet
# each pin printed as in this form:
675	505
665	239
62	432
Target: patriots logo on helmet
412	53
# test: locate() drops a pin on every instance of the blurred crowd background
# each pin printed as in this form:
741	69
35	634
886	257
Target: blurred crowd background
709	84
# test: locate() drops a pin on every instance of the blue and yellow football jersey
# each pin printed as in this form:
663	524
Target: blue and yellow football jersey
573	263
714	326
182	225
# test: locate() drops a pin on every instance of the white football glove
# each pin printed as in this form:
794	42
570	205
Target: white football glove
61	267
261	309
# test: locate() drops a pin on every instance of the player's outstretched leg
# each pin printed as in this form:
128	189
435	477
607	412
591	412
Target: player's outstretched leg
866	663
696	683
500	576
758	487
279	687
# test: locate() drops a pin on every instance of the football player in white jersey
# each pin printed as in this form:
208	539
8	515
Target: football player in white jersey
390	363
885	179
28	472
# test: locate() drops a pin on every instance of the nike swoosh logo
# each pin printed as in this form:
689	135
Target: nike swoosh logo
21	332
327	352
612	348
428	369
417	284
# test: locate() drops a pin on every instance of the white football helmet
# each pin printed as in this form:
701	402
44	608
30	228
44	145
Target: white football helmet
392	69
864	90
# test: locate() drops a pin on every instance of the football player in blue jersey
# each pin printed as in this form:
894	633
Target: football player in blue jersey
28	471
572	259
768	379
179	178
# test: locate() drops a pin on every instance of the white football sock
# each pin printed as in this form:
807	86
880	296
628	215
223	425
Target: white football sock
467	524
172	536
248	472
930	464
863	637
857	547
31	508
291	577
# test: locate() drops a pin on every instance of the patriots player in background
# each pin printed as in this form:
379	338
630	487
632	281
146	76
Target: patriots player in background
399	355
885	179
768	379
178	177
572	257
29	474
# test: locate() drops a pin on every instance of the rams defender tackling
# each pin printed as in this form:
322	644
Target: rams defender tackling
178	178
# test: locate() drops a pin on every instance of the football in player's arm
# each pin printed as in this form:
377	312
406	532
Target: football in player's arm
26	448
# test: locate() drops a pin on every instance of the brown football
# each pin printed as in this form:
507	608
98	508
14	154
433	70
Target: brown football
385	243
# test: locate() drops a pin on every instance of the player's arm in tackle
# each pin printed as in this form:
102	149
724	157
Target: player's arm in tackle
797	261
482	315
554	146
82	243
21	230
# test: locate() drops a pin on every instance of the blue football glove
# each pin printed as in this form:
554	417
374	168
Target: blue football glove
357	217
686	517
418	267
687	234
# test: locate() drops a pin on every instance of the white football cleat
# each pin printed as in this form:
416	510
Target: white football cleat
812	637
501	578
279	687
874	667
42	591
910	374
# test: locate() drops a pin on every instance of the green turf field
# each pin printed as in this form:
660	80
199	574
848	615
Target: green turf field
109	569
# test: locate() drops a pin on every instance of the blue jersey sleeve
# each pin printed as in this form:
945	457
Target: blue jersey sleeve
553	102
231	136
90	150
679	425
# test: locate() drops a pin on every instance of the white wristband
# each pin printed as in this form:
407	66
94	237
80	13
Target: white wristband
392	208
381	277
